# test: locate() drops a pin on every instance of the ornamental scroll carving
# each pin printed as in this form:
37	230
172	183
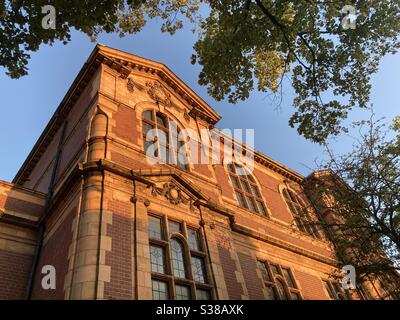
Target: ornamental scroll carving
159	94
171	192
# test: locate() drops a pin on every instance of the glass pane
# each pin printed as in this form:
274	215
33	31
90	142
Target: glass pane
251	204
231	168
157	258
255	191
300	225
198	269
340	292
281	290
174	227
241	200
246	186
203	294
292	196
316	232
264	271
261	208
329	290
178	262
286	195
295	296
160	290
270	293
164	154
146	128
163	137
148	115
274	269
288	278
182	160
147	144
309	228
235	182
182	292
193	239
155	228
161	120
293	209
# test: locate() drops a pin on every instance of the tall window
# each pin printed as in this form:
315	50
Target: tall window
335	290
301	214
167	147
247	193
279	283
178	261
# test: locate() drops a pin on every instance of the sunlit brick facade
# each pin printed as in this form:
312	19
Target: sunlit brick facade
87	202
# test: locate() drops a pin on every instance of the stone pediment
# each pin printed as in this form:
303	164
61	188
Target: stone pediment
164	80
174	188
173	193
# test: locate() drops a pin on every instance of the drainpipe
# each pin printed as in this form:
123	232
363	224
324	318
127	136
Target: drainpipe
41	226
134	200
203	225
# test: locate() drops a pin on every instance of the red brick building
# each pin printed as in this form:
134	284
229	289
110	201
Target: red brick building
87	202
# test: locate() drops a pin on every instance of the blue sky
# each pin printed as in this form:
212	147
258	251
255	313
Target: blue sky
28	103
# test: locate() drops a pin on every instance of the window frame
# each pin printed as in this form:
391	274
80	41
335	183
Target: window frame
170	147
251	191
188	253
300	213
335	291
279	276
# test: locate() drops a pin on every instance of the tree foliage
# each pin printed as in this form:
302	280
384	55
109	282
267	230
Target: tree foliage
360	204
242	45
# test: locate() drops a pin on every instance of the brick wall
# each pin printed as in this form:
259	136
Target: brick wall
18	205
120	257
14	273
253	283
272	196
130	162
55	252
126	124
234	288
222	178
311	286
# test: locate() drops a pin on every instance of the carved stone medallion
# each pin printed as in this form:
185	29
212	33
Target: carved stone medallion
159	94
173	194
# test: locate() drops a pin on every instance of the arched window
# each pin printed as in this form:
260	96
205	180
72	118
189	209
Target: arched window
301	214
178	261
336	291
247	193
280	286
168	148
279	282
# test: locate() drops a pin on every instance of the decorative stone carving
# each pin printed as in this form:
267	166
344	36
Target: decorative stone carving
130	85
173	194
159	94
186	116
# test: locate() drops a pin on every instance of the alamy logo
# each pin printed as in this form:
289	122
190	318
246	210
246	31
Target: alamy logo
349	279
349	20
49	20
49	280
188	146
